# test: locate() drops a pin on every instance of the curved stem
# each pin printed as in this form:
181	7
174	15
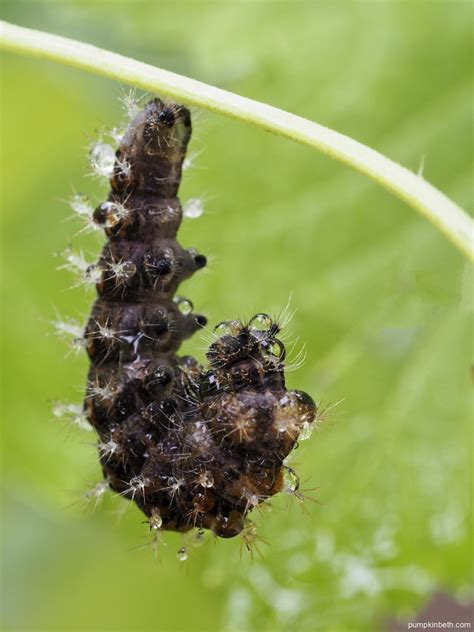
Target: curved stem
442	212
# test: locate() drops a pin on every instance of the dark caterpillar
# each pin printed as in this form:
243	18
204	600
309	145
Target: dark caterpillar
192	446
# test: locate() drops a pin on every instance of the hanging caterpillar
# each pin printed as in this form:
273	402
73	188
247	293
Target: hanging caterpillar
192	446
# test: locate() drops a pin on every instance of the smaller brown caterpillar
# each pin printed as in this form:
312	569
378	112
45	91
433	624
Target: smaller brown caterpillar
192	446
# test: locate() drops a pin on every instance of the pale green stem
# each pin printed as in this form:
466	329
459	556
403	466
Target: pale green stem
449	218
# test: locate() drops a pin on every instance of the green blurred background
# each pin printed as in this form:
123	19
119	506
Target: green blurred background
383	305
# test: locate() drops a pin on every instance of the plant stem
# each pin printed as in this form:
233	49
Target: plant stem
443	213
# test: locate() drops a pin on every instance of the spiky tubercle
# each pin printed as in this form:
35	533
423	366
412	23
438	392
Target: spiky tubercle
192	446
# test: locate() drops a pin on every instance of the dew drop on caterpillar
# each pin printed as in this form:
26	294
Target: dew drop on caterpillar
192	446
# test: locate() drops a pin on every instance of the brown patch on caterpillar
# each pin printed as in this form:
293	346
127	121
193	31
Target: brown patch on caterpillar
191	446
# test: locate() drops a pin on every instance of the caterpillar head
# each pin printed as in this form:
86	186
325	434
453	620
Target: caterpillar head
157	137
166	129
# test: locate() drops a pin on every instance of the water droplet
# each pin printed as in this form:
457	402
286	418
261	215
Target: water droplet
167	214
108	448
206	479
124	167
177	482
102	157
75	262
81	205
228	526
184	306
97	491
105	332
128	269
78	344
193	208
182	554
60	410
68	328
251	530
190	160
131	103
228	328
306	431
155	520
72	413
252	500
137	483
116	134
260	322
109	214
123	270
93	274
273	348
304	400
103	392
291	481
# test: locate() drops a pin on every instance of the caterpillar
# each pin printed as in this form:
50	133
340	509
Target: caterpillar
192	446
